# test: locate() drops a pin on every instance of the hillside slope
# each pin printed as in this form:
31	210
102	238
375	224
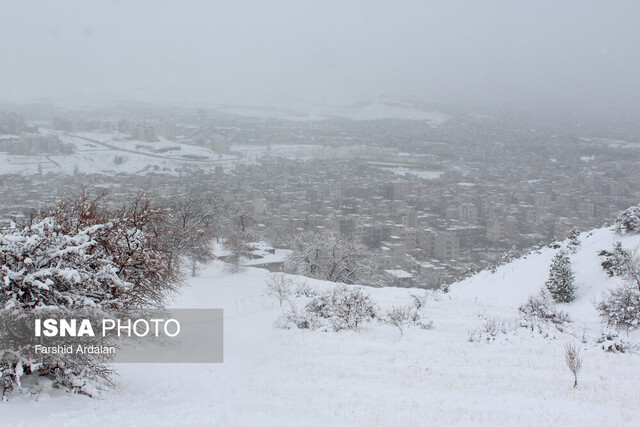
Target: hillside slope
275	376
511	284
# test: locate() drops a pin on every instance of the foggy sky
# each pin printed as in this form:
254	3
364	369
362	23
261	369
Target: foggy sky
562	54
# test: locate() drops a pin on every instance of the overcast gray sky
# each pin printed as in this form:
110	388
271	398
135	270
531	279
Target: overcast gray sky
568	54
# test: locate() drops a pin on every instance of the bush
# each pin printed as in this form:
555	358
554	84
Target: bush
610	341
616	261
620	307
338	308
540	308
629	220
574	361
491	329
80	254
537	315
409	315
304	290
574	240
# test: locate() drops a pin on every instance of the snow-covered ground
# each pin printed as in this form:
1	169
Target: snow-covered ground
279	377
111	154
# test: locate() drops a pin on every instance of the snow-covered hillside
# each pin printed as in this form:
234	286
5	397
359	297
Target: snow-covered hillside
274	376
509	286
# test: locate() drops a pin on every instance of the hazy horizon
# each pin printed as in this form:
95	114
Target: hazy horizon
557	56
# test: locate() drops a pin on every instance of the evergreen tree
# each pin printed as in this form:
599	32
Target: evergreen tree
561	282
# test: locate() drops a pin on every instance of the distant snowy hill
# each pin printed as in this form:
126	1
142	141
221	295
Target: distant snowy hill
375	376
359	112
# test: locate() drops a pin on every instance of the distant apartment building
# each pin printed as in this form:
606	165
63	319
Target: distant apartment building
468	212
396	190
446	246
392	256
424	241
502	228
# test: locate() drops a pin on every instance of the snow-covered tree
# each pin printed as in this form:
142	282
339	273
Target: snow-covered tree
327	256
241	215
193	222
239	247
279	286
561	282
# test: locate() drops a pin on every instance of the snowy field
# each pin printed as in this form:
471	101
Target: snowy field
111	154
424	174
298	377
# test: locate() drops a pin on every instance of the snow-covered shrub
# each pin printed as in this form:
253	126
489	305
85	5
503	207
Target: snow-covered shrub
445	287
561	282
409	315
611	341
132	238
506	258
623	263
554	245
629	220
338	308
82	373
540	308
400	316
79	254
574	241
304	290
510	256
573	359
616	260
279	286
491	329
620	307
420	300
